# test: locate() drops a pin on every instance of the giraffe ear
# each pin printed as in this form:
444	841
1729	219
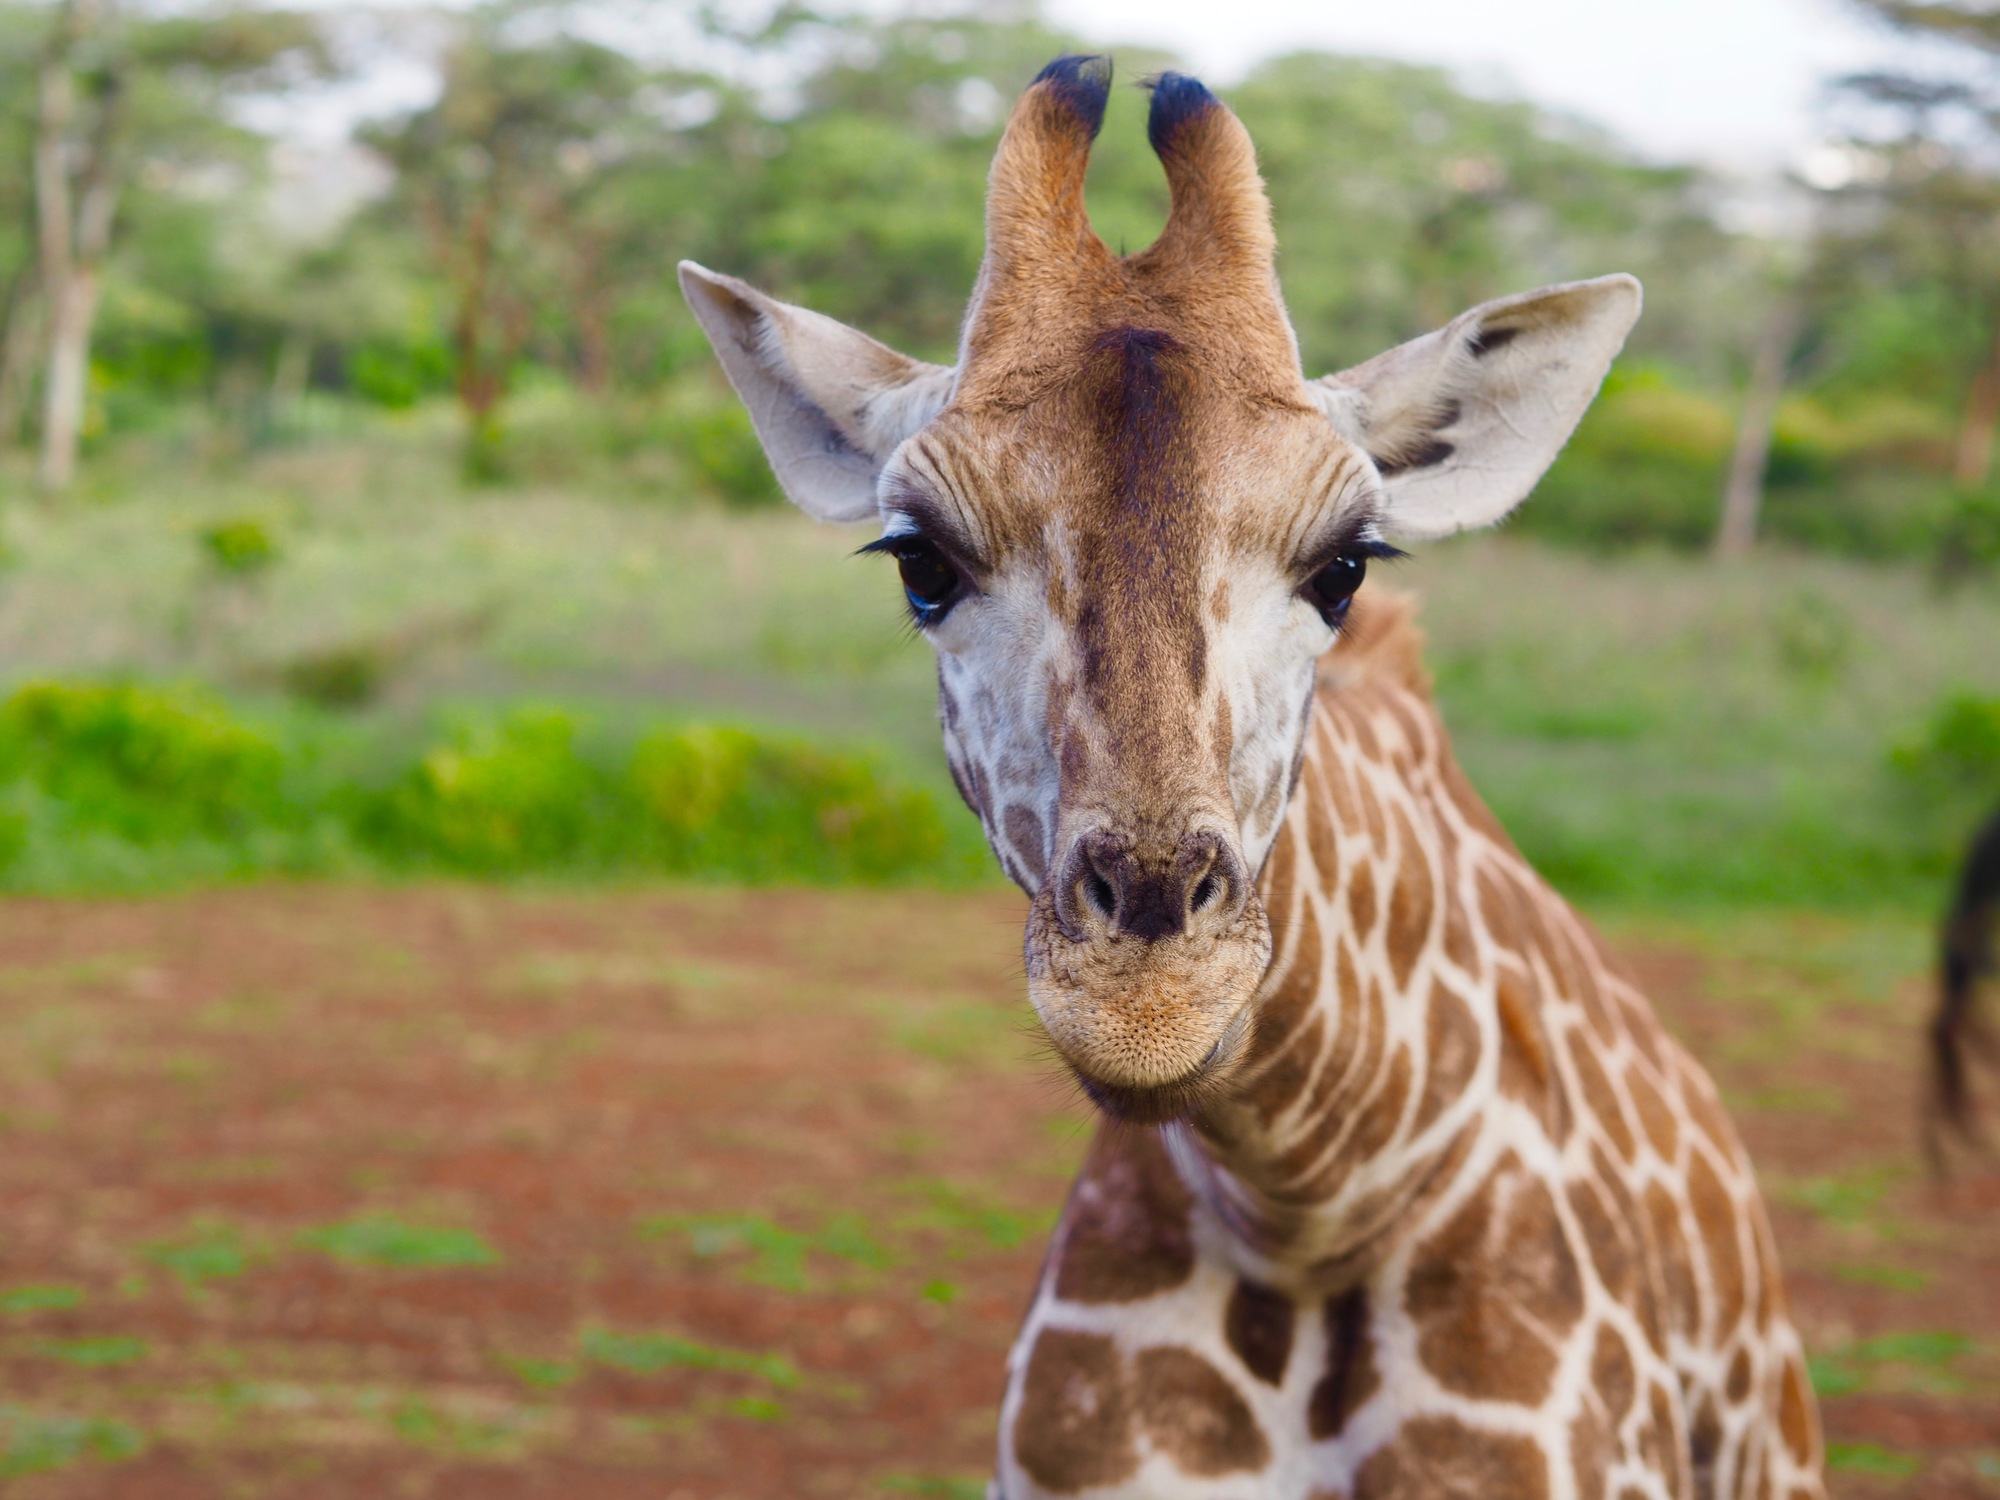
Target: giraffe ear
1463	421
830	404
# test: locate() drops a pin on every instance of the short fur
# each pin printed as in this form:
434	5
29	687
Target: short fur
1402	1190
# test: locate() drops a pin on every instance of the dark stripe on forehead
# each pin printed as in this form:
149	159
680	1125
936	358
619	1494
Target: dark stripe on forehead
1141	536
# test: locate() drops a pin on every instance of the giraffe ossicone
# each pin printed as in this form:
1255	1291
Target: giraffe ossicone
1401	1190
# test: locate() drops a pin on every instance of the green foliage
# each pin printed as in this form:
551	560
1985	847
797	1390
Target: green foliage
392	1243
1950	771
206	1253
1967	536
144	765
21	1300
33	1442
531	793
127	784
651	1353
239	546
105	1352
1872	1458
935	1486
769	1254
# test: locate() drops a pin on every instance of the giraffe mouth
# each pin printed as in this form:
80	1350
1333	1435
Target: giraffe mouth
1180	1098
1152	1029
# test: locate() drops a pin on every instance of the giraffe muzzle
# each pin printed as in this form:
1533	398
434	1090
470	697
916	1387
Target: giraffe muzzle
1143	958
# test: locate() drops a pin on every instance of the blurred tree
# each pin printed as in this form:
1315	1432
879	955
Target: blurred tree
20	306
531	129
1939	174
122	94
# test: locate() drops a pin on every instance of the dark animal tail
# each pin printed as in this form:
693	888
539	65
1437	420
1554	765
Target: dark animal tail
1959	1035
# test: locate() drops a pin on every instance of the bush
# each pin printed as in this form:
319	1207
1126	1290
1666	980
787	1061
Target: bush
111	784
239	546
1646	465
534	793
500	799
145	765
725	800
1958	750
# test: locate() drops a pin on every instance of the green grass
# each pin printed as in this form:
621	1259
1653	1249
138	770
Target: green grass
20	1301
1657	730
207	1252
1918	1359
106	1352
33	1442
394	1244
1872	1458
653	1353
769	1254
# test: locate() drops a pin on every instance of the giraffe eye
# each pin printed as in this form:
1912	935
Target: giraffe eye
929	581
1331	589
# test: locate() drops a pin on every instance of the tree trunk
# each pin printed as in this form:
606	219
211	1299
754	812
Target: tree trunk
1743	492
73	241
20	328
72	311
1973	460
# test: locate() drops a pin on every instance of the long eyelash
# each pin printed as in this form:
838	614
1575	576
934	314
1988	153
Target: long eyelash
888	543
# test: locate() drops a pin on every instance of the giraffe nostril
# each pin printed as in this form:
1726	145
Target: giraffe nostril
1102	898
1204	892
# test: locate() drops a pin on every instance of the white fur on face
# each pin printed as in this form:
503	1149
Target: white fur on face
1002	654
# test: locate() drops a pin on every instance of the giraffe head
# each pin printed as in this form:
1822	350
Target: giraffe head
1130	526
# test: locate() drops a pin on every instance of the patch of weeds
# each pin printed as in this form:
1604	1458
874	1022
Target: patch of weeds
757	1409
775	1256
1850	1199
1795	1099
1916	1359
102	1353
540	1374
1890	1278
424	1426
651	1353
36	1442
934	1486
21	1301
943	1293
210	1252
393	1243
1872	1458
964	1214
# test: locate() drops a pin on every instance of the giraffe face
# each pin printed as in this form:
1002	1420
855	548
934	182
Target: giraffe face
1128	586
1129	526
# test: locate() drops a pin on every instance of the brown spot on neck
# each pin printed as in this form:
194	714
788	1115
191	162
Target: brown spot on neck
1350	1377
1075	1424
1128	1235
1195	1416
1258	1325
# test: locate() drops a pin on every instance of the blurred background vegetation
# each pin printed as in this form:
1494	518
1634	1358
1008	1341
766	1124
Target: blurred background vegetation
370	504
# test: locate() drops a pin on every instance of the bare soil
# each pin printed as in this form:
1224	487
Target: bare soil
444	1191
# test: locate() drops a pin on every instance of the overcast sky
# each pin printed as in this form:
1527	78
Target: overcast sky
1732	82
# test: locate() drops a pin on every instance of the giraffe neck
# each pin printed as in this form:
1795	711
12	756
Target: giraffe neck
1385	1018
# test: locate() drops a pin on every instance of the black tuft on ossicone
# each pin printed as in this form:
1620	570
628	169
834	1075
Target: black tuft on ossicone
1082	81
1177	99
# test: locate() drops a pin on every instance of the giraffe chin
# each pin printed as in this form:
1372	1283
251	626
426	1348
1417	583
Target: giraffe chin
1152	1031
1182	1099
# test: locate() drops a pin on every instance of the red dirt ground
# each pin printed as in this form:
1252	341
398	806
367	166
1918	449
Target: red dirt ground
317	1192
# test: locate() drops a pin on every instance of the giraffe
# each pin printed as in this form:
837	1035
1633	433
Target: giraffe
1399	1189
